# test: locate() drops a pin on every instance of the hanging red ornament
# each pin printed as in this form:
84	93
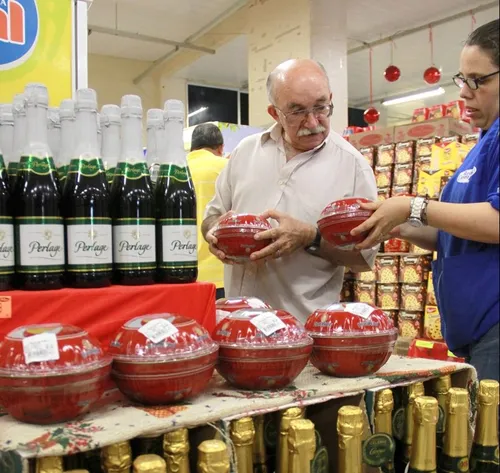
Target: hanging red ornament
371	115
432	75
392	73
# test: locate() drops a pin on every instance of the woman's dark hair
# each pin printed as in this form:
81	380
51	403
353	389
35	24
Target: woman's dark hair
486	37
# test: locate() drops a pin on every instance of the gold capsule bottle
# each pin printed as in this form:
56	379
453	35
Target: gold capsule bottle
413	392
423	451
384	405
117	458
454	457
176	451
213	457
49	465
350	423
149	463
242	435
484	457
440	387
282	457
259	446
301	446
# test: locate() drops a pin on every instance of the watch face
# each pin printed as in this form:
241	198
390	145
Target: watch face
415	222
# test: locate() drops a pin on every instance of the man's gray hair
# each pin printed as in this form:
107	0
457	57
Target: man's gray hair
277	72
206	135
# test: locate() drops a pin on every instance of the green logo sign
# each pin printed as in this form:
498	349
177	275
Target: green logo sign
110	173
398	424
132	171
41	166
62	171
174	172
378	450
12	169
453	465
86	167
320	461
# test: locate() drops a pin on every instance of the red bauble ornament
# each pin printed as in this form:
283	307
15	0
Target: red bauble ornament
371	115
432	75
392	73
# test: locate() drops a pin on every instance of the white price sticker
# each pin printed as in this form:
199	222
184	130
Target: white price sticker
41	347
268	323
157	330
221	315
358	308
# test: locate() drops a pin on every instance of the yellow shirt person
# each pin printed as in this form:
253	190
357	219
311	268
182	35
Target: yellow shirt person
205	163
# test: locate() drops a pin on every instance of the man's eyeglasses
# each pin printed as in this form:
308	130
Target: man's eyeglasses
298	116
473	84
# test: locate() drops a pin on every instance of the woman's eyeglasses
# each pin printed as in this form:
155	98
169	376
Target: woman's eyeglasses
473	84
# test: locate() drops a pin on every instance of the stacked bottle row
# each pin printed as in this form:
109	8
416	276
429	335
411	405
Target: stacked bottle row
435	440
76	225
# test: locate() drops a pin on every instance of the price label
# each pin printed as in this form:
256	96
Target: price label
157	330
40	347
358	308
268	323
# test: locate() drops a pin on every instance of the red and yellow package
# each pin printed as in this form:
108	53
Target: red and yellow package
414	269
432	324
365	292
437	111
405	152
383	176
403	174
383	193
366	276
385	155
420	115
429	184
424	146
413	297
396	245
410	324
386	269
369	154
431	296
419	251
470	140
388	296
347	292
455	109
401	190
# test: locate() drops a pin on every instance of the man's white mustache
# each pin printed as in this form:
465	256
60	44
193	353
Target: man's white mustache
311	131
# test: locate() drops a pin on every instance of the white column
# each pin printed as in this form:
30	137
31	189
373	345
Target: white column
328	29
80	41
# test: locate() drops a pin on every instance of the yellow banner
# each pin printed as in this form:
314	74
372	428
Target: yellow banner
36	46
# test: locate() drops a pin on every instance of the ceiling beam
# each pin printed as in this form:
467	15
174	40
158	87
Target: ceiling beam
149	39
418	29
225	27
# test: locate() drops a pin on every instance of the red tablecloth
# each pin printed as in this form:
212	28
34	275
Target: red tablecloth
102	311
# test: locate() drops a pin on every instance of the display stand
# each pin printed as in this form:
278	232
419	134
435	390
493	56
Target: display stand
120	420
103	311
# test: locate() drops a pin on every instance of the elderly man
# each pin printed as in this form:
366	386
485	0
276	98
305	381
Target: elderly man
289	174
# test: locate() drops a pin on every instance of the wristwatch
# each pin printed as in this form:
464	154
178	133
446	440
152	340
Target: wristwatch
418	207
313	247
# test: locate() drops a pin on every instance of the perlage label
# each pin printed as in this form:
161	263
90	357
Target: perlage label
157	330
180	243
134	244
41	244
268	323
41	347
89	244
358	308
6	245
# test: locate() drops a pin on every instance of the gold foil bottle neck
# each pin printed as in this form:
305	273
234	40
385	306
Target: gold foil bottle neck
213	457
441	385
117	457
488	392
426	410
77	471
243	432
350	420
176	436
149	464
458	400
384	401
415	390
288	416
301	437
49	465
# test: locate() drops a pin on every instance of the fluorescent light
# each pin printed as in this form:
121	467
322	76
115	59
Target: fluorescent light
416	96
192	114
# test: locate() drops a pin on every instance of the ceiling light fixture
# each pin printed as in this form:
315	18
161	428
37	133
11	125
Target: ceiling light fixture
415	96
201	109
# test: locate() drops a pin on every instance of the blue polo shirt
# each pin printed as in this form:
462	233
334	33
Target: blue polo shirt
466	273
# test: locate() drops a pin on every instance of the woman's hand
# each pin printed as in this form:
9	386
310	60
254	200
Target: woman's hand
384	222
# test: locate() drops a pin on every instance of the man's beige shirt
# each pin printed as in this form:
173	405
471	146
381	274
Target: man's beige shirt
258	178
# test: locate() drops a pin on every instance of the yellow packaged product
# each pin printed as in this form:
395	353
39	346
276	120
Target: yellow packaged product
432	324
429	183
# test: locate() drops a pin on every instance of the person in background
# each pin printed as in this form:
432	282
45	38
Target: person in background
463	227
288	174
205	163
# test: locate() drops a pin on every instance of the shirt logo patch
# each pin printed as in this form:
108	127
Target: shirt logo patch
465	176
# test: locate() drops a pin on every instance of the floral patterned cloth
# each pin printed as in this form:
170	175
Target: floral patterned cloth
120	420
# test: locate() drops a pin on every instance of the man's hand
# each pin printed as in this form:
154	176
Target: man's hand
212	241
291	235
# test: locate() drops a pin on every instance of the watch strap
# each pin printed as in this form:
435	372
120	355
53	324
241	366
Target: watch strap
315	244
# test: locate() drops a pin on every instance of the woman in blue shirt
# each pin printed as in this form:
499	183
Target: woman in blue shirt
463	227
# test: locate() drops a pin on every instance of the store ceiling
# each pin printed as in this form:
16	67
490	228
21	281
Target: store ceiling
368	21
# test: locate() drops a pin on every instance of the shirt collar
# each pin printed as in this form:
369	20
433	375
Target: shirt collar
275	133
199	153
